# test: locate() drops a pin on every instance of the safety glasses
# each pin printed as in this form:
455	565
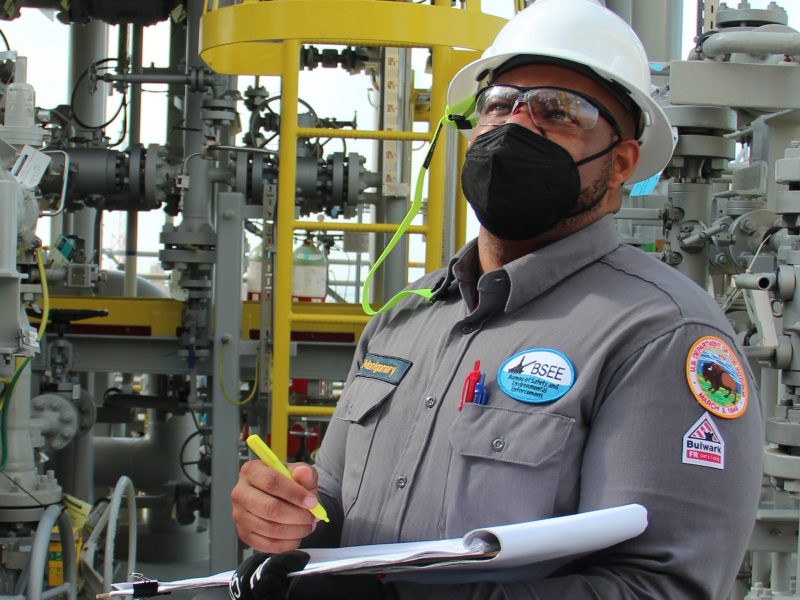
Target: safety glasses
549	107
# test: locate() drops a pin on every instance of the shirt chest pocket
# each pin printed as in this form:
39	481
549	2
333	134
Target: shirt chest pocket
504	466
365	399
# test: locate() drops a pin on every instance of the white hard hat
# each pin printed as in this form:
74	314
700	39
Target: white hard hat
586	34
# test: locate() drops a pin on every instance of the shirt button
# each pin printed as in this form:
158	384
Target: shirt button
467	329
430	401
498	444
401	481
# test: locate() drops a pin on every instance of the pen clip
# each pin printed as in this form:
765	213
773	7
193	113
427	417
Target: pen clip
468	389
479	397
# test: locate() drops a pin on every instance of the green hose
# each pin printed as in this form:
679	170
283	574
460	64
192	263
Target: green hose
4	413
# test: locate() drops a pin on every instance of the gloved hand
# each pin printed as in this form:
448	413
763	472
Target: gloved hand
265	576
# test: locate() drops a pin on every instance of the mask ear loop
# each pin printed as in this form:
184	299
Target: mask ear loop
452	118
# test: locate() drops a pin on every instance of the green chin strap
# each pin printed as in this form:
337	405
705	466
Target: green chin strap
455	117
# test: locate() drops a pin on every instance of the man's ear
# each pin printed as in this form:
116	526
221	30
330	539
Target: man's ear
625	157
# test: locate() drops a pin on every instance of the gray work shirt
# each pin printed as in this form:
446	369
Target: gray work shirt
400	462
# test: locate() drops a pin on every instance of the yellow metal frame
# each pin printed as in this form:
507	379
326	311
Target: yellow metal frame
265	38
162	316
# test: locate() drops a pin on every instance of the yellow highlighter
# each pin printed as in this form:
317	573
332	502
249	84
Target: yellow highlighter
267	456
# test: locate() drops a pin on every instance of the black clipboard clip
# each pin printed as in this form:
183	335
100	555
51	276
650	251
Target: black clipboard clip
142	587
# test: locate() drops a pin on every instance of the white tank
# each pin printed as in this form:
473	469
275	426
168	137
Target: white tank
309	273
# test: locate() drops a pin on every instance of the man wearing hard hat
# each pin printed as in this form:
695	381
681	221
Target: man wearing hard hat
556	371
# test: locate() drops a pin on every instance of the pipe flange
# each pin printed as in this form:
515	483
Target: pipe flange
241	168
746	234
705	146
337	177
155	179
87	411
135	172
353	184
787	202
750	17
22	135
60	420
715	119
177	237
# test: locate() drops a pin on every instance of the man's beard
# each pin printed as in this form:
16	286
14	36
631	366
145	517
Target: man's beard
593	194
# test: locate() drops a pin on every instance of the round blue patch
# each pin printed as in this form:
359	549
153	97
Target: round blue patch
536	376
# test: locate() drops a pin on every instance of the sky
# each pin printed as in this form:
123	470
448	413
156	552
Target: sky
37	35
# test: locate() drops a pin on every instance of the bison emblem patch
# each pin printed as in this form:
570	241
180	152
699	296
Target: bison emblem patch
716	378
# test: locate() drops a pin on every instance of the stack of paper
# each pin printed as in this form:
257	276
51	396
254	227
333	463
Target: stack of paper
501	547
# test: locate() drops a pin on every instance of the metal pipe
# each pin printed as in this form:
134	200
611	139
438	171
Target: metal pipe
338	319
755	281
282	295
147	78
623	8
434	251
134	136
659	26
87	45
196	206
361	134
9	222
56	591
644	214
64	179
124	486
752	42
395	201
311	410
40	551
461	206
364	227
20	465
175	93
150	461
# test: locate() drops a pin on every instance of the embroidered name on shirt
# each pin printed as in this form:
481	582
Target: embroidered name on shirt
386	368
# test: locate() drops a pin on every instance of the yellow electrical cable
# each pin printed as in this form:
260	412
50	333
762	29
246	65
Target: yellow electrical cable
42	325
45	293
225	393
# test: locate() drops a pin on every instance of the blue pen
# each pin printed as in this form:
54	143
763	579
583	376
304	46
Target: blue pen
480	396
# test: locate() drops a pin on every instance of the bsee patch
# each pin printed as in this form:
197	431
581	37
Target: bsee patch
536	376
386	368
703	444
716	378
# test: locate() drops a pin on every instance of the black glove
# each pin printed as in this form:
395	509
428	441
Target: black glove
265	576
339	587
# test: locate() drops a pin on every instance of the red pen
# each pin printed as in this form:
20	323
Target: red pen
468	389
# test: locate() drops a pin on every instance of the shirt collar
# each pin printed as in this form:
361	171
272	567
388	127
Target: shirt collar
540	270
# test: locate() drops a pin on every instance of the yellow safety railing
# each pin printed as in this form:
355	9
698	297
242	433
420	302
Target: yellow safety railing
265	38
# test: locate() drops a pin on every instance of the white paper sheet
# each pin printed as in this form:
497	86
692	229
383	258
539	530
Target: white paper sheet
501	547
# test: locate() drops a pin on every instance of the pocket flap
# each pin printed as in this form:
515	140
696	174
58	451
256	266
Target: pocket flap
519	437
363	395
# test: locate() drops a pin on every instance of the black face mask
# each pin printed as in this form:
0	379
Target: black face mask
521	184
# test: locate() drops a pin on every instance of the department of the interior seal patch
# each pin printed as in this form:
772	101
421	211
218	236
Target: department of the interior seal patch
716	378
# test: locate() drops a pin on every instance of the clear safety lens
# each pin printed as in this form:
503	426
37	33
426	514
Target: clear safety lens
549	107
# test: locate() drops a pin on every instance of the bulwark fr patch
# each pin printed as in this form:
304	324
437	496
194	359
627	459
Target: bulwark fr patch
386	368
703	444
